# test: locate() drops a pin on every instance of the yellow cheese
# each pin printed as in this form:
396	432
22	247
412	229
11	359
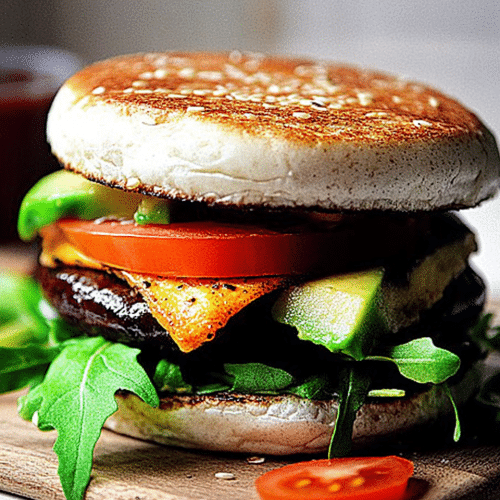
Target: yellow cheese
56	249
193	310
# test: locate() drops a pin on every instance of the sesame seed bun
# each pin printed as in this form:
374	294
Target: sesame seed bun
277	425
251	130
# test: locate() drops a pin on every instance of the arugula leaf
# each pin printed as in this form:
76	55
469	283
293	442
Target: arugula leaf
77	396
23	366
421	361
168	378
22	318
354	386
314	387
254	378
31	332
458	430
212	387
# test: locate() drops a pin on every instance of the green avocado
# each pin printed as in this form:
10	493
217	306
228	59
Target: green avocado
65	194
341	313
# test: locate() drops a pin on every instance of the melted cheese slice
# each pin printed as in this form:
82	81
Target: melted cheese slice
56	249
191	310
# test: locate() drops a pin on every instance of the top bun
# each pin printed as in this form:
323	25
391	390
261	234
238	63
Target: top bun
246	129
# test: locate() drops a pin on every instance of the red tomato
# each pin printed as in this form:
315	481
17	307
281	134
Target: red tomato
360	478
201	249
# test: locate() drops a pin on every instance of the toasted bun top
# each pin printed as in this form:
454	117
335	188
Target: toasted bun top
253	130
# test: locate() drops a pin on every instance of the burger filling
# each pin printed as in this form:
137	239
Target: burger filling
165	298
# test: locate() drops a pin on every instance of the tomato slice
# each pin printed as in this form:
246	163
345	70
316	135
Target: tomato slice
203	249
358	478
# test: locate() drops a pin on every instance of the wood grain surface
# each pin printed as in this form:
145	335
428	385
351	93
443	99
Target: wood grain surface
129	469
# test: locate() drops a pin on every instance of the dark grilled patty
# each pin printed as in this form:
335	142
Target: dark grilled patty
99	303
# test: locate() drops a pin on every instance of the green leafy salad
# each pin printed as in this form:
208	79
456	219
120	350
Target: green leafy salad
73	379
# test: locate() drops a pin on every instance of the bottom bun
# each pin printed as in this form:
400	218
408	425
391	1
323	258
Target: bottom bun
275	425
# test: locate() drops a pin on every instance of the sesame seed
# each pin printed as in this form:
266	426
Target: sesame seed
303	70
235	56
249	116
160	61
396	99
256	460
146	75
252	64
160	73
305	102
201	92
225	475
139	83
375	113
186	72
433	102
143	91
326	86
98	90
240	96
210	75
299	114
194	109
234	72
365	98
264	78
421	123
128	90
273	89
176	96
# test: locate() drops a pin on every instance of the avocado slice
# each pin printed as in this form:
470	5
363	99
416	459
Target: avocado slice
64	193
341	313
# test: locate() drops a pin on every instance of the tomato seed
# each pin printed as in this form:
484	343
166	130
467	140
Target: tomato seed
302	483
334	487
356	482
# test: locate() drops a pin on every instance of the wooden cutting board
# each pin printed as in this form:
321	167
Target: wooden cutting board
129	469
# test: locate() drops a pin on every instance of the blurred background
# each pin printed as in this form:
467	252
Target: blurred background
452	45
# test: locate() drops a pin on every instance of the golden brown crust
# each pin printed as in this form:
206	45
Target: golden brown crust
300	100
249	130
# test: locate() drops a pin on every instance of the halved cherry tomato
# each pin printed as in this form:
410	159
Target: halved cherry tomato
201	249
358	478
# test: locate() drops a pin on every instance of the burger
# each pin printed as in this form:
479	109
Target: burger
255	254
